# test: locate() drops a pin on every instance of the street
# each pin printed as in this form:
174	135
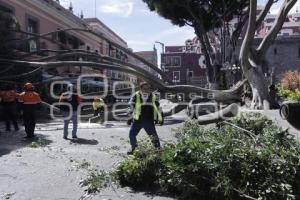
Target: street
55	170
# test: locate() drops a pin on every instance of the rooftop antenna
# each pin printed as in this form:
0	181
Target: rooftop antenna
71	7
81	14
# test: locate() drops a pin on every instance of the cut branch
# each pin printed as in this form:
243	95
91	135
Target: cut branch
127	51
231	95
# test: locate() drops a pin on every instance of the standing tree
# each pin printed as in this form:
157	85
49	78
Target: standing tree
253	59
205	17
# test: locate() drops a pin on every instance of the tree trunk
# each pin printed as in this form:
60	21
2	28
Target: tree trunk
261	98
213	77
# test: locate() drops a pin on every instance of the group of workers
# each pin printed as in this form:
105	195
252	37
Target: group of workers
144	105
29	99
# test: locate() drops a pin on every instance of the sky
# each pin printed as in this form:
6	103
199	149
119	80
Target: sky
132	21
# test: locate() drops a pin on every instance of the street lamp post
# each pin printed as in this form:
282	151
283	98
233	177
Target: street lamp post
162	52
162	46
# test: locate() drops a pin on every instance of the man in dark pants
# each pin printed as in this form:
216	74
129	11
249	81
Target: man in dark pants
145	108
9	97
29	99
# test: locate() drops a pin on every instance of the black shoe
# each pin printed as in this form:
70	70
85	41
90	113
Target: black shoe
65	137
29	136
130	152
74	138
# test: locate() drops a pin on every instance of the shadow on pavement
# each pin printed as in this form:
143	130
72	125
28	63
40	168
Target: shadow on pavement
12	141
85	141
153	191
173	121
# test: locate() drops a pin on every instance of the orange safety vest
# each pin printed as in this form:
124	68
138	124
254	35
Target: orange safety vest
29	98
9	96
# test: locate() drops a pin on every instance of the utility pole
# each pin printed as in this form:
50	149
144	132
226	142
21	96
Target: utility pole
162	52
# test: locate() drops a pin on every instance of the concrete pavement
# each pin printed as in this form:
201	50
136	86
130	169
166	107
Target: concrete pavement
55	170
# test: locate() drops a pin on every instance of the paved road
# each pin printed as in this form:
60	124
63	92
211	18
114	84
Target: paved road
54	172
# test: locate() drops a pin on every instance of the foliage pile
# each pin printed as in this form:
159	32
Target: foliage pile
290	86
251	159
95	181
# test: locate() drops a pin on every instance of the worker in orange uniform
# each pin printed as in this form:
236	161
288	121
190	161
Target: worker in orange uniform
9	97
29	99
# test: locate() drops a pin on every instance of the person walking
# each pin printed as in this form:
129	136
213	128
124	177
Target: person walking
9	97
29	100
146	110
70	109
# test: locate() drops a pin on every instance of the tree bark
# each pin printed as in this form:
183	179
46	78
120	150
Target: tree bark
261	98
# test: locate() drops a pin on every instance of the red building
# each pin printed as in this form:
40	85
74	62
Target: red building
185	64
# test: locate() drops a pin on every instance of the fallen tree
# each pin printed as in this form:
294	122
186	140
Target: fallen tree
218	95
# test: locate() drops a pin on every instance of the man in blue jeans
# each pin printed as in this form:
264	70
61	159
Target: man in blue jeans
146	110
71	102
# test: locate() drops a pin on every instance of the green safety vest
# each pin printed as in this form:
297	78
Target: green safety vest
138	108
99	104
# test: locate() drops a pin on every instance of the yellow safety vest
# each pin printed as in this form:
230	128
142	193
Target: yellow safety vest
138	107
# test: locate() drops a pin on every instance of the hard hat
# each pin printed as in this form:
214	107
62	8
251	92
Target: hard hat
28	86
72	88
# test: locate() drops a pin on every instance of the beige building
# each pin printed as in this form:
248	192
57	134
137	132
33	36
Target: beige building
44	16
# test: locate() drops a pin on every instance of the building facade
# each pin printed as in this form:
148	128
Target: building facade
149	56
45	16
185	64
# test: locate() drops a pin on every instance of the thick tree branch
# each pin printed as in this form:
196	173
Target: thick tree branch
271	36
237	32
249	37
264	12
218	95
205	43
125	50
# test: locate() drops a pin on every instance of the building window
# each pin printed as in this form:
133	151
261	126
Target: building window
176	76
174	61
7	9
190	74
168	61
32	27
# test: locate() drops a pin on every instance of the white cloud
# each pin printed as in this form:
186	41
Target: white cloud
122	8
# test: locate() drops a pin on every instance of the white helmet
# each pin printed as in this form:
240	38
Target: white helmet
71	88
